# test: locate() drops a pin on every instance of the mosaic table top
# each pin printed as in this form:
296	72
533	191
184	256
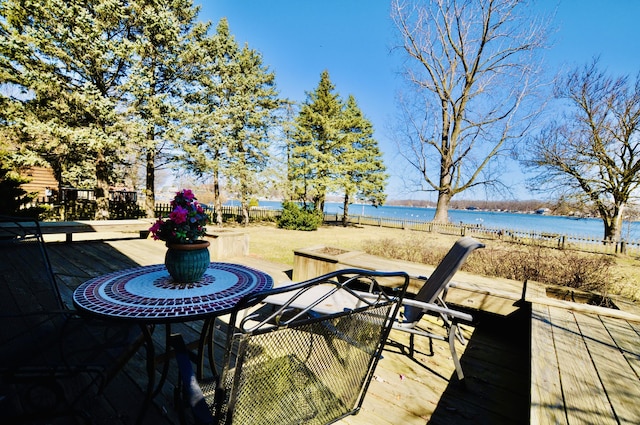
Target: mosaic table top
149	294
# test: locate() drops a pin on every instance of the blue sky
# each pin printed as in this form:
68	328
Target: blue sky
353	40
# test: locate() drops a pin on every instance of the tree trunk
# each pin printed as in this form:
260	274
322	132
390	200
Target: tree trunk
150	189
444	194
244	207
102	188
318	203
345	216
442	208
217	202
613	223
244	203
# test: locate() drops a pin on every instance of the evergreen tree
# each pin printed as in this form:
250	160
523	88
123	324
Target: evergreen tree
234	112
316	144
363	172
165	35
69	59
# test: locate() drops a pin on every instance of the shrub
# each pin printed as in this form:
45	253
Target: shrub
588	272
295	217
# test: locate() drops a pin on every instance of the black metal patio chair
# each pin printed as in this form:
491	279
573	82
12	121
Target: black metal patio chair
51	360
301	362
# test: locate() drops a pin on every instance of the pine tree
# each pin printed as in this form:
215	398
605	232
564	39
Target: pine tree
233	113
69	58
316	144
166	34
363	172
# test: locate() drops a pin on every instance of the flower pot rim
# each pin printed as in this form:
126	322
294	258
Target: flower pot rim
198	244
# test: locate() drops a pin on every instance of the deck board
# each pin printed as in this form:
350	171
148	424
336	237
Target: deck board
627	339
547	402
618	378
585	397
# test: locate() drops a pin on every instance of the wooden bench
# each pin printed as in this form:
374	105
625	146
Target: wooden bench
68	228
585	364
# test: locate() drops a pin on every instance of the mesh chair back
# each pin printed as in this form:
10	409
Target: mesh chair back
27	283
300	366
441	276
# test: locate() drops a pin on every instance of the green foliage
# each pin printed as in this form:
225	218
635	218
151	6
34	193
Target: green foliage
332	149
14	198
234	110
253	202
72	76
315	144
295	217
166	52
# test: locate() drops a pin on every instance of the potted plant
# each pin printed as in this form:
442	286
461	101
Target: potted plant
187	256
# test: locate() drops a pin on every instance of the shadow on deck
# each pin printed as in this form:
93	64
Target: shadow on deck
405	390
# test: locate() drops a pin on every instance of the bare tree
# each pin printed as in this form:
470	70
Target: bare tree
472	73
593	150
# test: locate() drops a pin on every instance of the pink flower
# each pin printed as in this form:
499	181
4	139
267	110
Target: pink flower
154	229
187	194
185	222
179	215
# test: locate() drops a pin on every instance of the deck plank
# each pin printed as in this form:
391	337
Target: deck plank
584	395
618	377
547	402
406	390
627	339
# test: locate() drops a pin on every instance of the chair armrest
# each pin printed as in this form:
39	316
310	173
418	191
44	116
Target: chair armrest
438	309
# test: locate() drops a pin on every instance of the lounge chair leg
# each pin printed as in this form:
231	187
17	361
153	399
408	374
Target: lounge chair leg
454	354
411	340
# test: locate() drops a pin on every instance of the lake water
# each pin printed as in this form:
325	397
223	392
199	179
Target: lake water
584	227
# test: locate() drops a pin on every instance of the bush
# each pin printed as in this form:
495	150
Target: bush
588	272
15	199
294	217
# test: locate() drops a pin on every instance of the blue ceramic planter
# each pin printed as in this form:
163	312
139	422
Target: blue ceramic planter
186	263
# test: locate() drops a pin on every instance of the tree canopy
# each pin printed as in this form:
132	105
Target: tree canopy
68	60
96	88
332	150
232	117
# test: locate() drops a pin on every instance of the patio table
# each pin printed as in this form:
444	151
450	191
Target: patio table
147	295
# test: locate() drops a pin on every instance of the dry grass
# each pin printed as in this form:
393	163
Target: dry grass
609	274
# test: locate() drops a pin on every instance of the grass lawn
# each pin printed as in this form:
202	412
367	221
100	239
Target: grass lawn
271	243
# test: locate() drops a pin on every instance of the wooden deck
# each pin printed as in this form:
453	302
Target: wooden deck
585	365
497	358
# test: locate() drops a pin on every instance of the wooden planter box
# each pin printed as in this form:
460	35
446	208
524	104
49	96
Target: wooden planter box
318	260
227	244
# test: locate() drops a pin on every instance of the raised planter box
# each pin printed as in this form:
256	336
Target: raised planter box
318	260
227	244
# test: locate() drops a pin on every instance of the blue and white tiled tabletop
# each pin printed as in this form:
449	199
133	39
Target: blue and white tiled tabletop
149	294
